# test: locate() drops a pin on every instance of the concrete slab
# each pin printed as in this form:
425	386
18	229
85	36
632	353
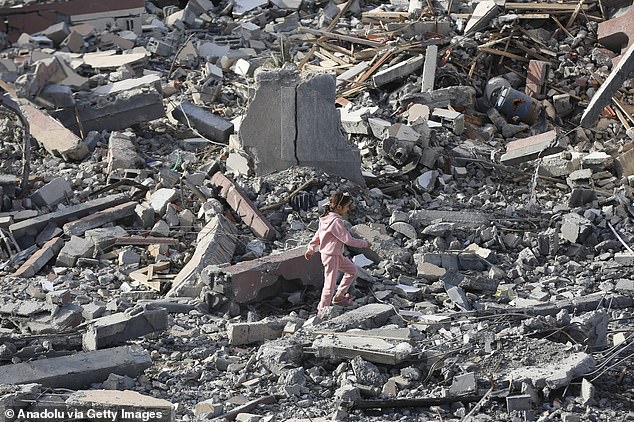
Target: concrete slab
370	349
99	218
53	136
530	148
117	328
216	244
120	405
117	111
40	258
122	152
368	316
78	370
398	71
555	374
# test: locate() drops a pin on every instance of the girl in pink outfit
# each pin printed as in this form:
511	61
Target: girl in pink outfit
330	238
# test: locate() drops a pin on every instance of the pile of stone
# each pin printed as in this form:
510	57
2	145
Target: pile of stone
164	164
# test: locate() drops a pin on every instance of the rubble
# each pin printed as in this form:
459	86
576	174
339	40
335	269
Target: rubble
153	231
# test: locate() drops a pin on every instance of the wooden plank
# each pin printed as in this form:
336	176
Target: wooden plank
503	53
532	6
381	17
342	37
144	241
330	27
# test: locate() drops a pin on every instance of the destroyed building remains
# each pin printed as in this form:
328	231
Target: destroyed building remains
163	165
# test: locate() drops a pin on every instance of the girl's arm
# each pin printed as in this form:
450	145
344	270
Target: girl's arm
340	232
314	243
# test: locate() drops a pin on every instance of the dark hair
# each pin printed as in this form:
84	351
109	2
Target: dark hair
337	199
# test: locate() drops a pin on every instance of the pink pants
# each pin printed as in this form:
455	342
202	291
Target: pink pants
333	264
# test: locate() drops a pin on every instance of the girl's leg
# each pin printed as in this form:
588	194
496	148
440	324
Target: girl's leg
350	274
331	272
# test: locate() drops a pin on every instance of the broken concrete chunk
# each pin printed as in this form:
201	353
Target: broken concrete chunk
371	349
399	70
122	152
429	68
39	259
117	328
556	374
99	218
260	278
254	332
159	199
575	228
75	248
482	15
527	149
52	193
116	111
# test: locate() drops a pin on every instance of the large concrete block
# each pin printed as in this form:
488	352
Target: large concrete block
75	248
120	110
293	121
253	280
208	124
52	193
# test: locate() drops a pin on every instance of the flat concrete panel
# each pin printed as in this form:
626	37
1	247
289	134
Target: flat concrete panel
78	370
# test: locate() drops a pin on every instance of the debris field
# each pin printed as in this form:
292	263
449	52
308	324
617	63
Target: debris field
163	165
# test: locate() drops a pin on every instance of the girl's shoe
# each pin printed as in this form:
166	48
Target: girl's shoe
346	300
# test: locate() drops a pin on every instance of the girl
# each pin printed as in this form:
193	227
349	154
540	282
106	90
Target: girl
330	238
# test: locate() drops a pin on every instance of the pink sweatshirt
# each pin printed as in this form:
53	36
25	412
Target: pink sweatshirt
332	235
